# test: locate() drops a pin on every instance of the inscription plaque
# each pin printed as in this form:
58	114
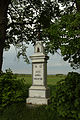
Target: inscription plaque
37	71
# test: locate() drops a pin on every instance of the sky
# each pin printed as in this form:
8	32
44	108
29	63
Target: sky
55	64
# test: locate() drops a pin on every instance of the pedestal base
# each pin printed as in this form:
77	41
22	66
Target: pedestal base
37	101
38	95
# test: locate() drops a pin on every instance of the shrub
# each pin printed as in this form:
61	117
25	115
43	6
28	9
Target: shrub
11	89
66	101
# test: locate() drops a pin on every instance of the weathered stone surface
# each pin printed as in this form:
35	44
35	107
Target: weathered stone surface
38	101
39	92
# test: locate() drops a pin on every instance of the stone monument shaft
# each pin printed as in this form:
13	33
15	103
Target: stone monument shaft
39	92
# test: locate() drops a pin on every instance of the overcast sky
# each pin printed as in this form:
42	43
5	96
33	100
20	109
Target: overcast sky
56	65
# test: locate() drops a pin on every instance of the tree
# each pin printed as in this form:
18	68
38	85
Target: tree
65	33
24	21
3	26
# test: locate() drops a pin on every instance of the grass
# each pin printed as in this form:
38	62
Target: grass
20	111
51	80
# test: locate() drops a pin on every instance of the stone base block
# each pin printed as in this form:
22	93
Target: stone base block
39	92
38	95
37	101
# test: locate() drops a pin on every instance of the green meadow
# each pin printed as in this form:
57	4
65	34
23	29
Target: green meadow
51	80
22	111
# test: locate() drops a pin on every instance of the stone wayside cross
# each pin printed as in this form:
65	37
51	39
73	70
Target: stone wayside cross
39	92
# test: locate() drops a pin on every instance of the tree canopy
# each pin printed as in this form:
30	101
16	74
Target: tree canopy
24	21
65	33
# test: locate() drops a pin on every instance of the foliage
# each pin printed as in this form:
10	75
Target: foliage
26	20
32	17
66	101
28	17
24	23
65	33
11	89
20	111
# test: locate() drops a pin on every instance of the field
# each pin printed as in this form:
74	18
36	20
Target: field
20	111
51	80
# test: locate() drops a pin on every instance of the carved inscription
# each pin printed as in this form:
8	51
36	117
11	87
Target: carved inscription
37	71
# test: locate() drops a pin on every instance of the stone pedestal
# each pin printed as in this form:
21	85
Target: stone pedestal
38	95
39	92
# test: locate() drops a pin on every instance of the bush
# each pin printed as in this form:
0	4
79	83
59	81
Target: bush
11	89
66	101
